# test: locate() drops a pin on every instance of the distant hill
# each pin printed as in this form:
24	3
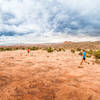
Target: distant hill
66	44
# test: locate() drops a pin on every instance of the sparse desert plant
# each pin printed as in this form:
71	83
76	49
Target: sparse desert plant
16	48
89	55
63	49
58	50
80	53
78	49
72	50
91	52
55	49
2	49
34	48
50	49
97	54
23	48
8	49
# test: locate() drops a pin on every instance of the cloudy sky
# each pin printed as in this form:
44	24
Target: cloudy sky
48	21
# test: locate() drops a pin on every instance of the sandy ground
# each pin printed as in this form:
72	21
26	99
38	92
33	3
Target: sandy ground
47	76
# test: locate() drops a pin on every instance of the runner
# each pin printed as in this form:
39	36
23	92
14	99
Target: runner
28	51
84	57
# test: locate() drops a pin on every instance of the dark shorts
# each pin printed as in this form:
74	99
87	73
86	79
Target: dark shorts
84	58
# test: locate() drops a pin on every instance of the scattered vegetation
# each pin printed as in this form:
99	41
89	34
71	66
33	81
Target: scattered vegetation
34	48
80	53
91	52
89	56
6	49
49	49
17	48
97	54
22	48
2	49
63	49
72	50
60	49
78	49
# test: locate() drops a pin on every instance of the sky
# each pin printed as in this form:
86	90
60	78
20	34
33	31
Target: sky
49	21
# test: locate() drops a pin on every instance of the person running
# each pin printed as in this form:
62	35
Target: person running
28	51
84	57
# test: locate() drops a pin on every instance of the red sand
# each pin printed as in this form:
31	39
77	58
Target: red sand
47	76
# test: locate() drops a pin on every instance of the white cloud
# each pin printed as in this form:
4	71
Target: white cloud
43	18
32	39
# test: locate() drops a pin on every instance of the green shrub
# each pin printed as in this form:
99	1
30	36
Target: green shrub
91	52
34	48
8	49
97	54
89	55
2	49
50	49
55	49
15	48
72	50
80	53
23	48
78	49
58	50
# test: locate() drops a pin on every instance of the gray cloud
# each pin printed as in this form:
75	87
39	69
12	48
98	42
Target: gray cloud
49	19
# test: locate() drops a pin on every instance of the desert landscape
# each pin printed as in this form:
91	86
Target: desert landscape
48	74
49	49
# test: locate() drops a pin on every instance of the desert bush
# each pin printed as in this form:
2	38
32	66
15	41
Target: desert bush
23	48
16	48
91	52
49	49
80	53
63	49
2	49
34	48
89	55
55	49
97	54
78	49
72	50
58	50
8	49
